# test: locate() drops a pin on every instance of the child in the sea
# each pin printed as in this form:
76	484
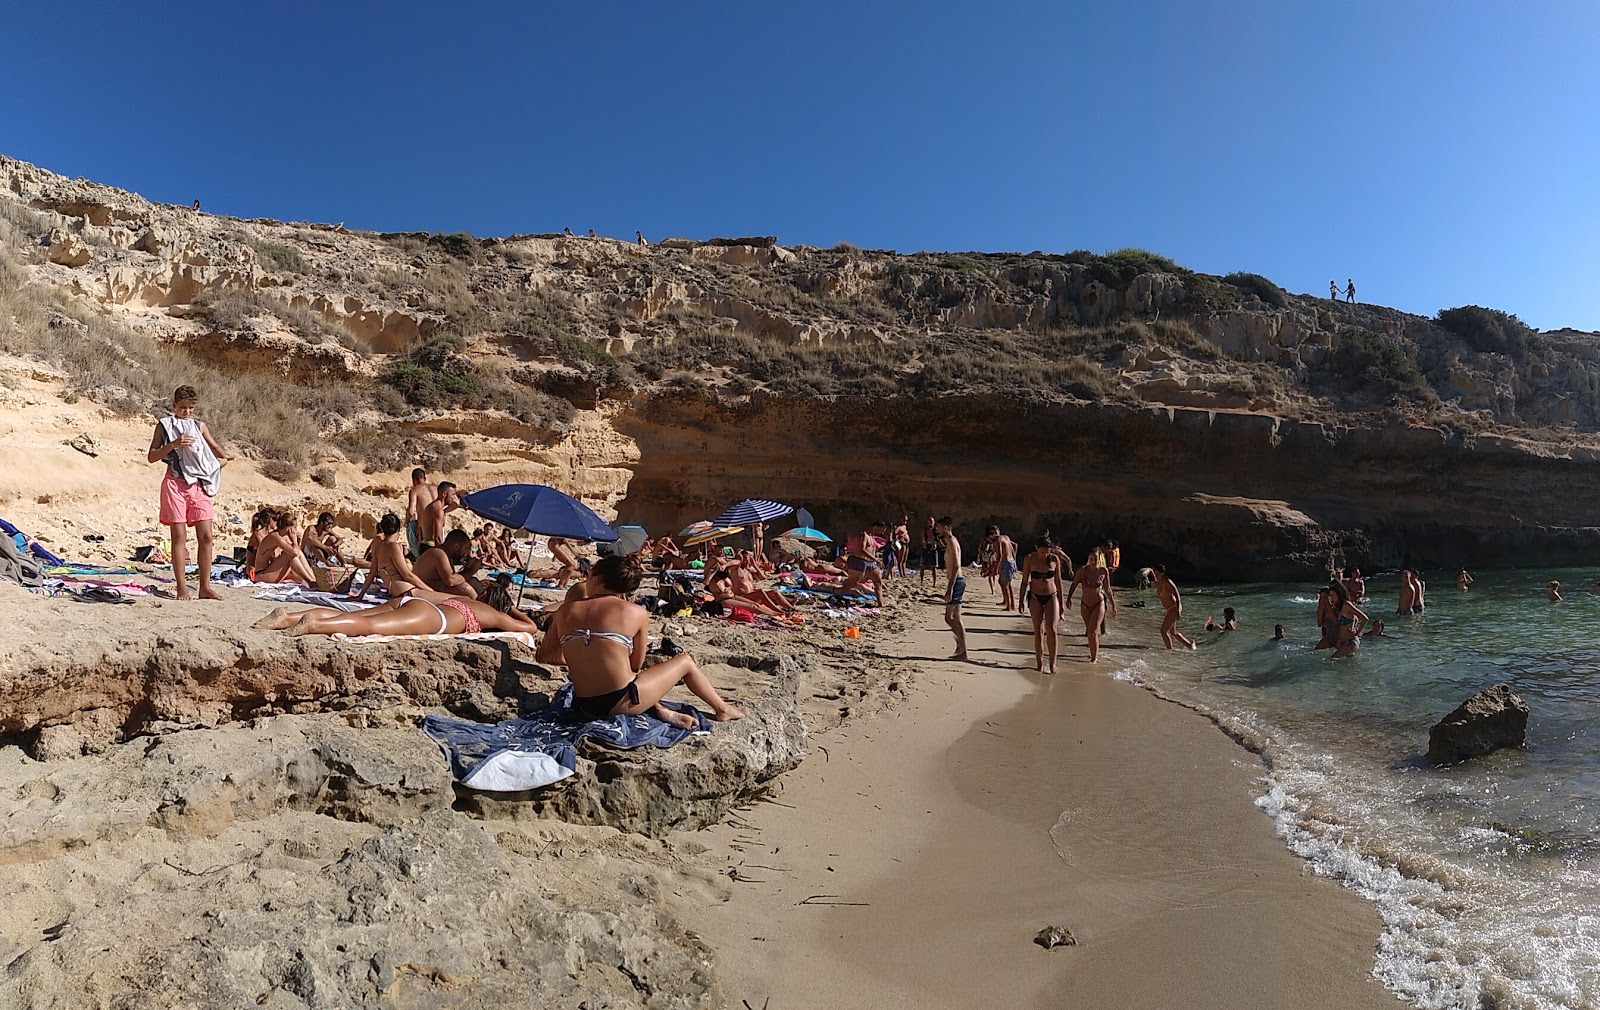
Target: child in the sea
1228	621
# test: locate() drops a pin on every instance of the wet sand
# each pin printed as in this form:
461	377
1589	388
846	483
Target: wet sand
913	857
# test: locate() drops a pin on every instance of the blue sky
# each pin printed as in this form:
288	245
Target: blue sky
1438	153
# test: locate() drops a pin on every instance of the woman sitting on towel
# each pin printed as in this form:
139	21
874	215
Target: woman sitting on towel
602	640
278	557
422	612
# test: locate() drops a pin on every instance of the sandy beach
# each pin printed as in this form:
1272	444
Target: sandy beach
912	858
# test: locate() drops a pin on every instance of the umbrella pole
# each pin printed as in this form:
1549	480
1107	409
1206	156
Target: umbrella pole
523	587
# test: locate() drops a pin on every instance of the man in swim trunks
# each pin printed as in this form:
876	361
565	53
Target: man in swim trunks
436	567
1172	603
194	466
861	561
422	495
956	586
432	522
1006	550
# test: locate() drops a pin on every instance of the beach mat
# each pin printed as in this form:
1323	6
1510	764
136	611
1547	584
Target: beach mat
542	747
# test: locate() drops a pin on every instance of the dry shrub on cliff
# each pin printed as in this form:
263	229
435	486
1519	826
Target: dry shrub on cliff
132	373
235	311
381	449
281	256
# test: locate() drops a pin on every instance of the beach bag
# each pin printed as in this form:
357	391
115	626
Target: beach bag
15	567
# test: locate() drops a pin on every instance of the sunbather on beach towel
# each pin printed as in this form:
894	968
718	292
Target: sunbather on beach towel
743	578
602	640
424	612
720	585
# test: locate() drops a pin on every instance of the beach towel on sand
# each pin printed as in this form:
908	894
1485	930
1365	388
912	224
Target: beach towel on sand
541	748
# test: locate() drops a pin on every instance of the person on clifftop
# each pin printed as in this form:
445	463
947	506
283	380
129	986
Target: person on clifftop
1350	290
194	473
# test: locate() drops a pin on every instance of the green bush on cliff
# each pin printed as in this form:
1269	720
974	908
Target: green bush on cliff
1118	269
1490	331
1369	365
457	243
1261	287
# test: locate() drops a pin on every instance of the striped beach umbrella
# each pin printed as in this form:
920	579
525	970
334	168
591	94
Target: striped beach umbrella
752	511
714	533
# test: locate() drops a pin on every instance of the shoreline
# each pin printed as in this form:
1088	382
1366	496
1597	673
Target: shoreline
996	801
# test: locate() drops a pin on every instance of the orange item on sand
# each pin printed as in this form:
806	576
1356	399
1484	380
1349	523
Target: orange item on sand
852	632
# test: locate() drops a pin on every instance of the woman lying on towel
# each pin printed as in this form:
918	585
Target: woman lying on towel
422	612
601	639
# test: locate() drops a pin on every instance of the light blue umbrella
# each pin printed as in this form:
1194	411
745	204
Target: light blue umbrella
806	534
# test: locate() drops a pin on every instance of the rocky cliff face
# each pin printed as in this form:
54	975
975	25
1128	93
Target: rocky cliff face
1222	425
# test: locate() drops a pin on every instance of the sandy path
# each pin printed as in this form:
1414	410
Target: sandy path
941	821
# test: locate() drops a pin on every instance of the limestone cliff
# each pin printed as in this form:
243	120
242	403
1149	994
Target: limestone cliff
1220	424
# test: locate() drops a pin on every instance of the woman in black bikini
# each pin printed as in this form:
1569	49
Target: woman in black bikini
1041	577
1097	595
1347	619
602	638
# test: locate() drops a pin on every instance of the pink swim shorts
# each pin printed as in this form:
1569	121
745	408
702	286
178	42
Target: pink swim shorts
184	503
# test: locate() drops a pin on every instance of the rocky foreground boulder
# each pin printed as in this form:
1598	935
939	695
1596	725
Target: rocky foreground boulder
1493	718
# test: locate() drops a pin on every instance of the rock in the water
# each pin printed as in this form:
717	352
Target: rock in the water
1055	936
1493	718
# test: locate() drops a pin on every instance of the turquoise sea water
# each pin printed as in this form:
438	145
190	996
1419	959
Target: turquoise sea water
1487	874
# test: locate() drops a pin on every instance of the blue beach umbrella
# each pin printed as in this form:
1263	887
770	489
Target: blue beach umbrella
807	534
752	511
539	508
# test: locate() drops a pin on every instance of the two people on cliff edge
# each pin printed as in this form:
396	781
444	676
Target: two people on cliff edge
1349	290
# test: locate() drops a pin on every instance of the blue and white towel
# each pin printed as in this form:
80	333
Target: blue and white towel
541	748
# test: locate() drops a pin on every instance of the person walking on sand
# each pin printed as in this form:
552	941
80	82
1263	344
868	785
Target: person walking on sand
1041	588
194	473
422	495
956	586
1172	603
1463	580
1097	597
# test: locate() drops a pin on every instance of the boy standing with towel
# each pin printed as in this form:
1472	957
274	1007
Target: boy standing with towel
194	471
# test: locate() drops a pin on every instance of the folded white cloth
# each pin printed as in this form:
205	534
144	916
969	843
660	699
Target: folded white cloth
197	464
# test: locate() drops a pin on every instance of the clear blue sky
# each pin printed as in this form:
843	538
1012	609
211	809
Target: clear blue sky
1440	153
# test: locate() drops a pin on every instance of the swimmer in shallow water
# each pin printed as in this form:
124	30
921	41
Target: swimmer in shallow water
1553	590
1277	633
1463	580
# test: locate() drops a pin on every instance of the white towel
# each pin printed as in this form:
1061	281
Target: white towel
197	464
